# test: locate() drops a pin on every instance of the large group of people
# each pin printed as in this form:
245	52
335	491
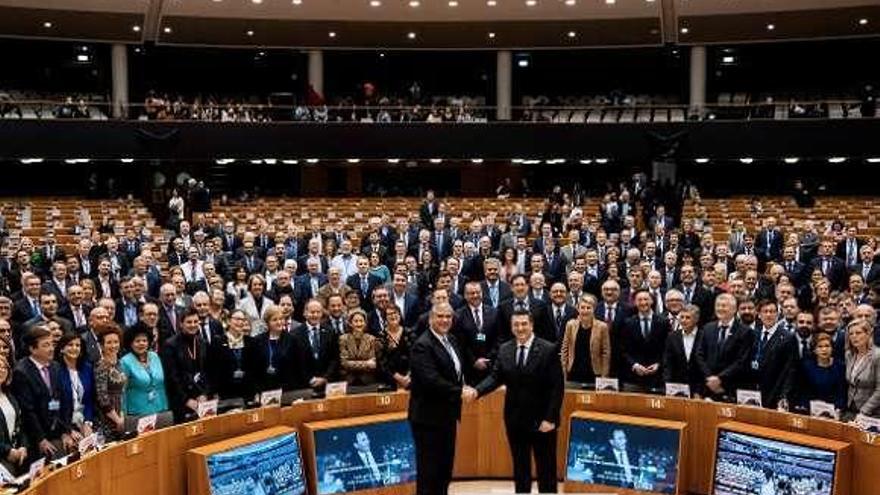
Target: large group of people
94	339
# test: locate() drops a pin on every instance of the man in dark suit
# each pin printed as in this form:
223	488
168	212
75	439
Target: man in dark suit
793	267
695	293
441	239
36	383
530	369
869	270
520	300
831	266
772	362
643	338
429	209
476	329
210	329
849	248
321	345
724	351
680	355
495	290
768	244
560	310
614	313
50	252
363	282
185	358
435	399
58	282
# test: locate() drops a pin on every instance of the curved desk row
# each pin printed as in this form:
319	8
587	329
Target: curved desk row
155	462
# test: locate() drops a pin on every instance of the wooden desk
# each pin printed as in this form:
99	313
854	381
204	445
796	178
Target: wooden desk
155	463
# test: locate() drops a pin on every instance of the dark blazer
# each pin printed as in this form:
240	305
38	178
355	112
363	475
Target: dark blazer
840	250
543	325
326	365
730	362
230	245
836	271
33	397
90	346
677	368
99	289
478	343
504	292
223	364
773	373
568	312
873	272
305	284
772	250
637	349
87	377
354	281
435	390
534	393
289	373
704	299
11	439
185	378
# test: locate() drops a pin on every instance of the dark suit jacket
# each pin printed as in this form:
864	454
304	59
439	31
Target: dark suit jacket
730	362
873	272
836	271
87	377
637	349
840	250
289	372
33	397
326	365
677	368
543	325
478	344
181	373
704	299
534	392
12	439
504	292
773	373
568	312
99	289
354	281
305	284
435	390
223	365
769	251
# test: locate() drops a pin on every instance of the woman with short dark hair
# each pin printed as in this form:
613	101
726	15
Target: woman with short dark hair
145	378
110	382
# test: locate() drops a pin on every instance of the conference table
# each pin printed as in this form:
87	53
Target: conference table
154	463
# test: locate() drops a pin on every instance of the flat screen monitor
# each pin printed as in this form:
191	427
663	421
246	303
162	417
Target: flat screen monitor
367	453
748	464
266	467
639	454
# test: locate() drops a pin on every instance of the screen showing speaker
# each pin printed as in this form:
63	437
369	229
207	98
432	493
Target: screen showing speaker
271	466
753	465
624	455
364	456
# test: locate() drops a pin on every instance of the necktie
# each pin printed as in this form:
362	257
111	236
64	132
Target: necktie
313	339
520	305
646	328
206	332
493	294
687	295
558	320
364	285
722	335
825	266
44	371
805	348
35	308
659	300
172	317
521	357
449	349
478	320
609	312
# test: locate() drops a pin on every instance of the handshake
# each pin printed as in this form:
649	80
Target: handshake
468	394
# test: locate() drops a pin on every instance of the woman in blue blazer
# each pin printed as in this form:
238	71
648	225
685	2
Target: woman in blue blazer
77	383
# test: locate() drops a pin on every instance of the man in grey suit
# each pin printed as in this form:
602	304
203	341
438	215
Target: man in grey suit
572	250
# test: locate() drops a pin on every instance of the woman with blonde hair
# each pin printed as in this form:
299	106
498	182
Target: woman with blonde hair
862	370
358	351
586	345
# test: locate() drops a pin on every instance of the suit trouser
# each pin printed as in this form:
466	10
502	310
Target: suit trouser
522	444
435	454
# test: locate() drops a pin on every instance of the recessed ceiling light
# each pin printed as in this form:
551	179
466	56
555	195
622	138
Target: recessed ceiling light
492	36
572	34
332	34
137	50
167	30
771	27
685	30
381	54
436	160
728	59
873	160
523	62
257	1
250	32
47	24
375	3
570	2
414	3
394	160
746	160
836	159
610	2
702	160
453	3
261	54
863	21
601	161
297	2
531	3
491	3
136	28
411	35
476	160
791	160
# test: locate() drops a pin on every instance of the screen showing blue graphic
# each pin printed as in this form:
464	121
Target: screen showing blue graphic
623	455
363	457
267	467
752	465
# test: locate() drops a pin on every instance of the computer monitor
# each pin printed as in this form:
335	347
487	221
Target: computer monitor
265	462
752	460
374	453
634	454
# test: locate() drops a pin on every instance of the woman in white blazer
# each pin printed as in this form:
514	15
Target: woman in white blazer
862	370
255	304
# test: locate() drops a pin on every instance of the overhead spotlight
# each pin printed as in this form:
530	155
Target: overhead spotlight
297	2
436	160
524	62
585	161
836	159
491	36
47	25
414	3
136	28
332	34
685	30
394	160
531	3
353	160
746	160
476	160
270	161
572	34
224	161
771	27
570	2
82	58
126	160
28	161
312	161
516	160
257	1
137	49
250	32
290	162
491	3
381	54
791	160
863	22
610	2
411	35
375	3
702	160
256	161
728	59
167	30
873	160
453	3
77	160
601	161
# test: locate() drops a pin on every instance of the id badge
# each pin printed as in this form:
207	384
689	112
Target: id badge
54	405
481	337
755	365
238	374
151	395
270	370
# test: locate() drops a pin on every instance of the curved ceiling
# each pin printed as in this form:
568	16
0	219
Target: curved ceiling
423	24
